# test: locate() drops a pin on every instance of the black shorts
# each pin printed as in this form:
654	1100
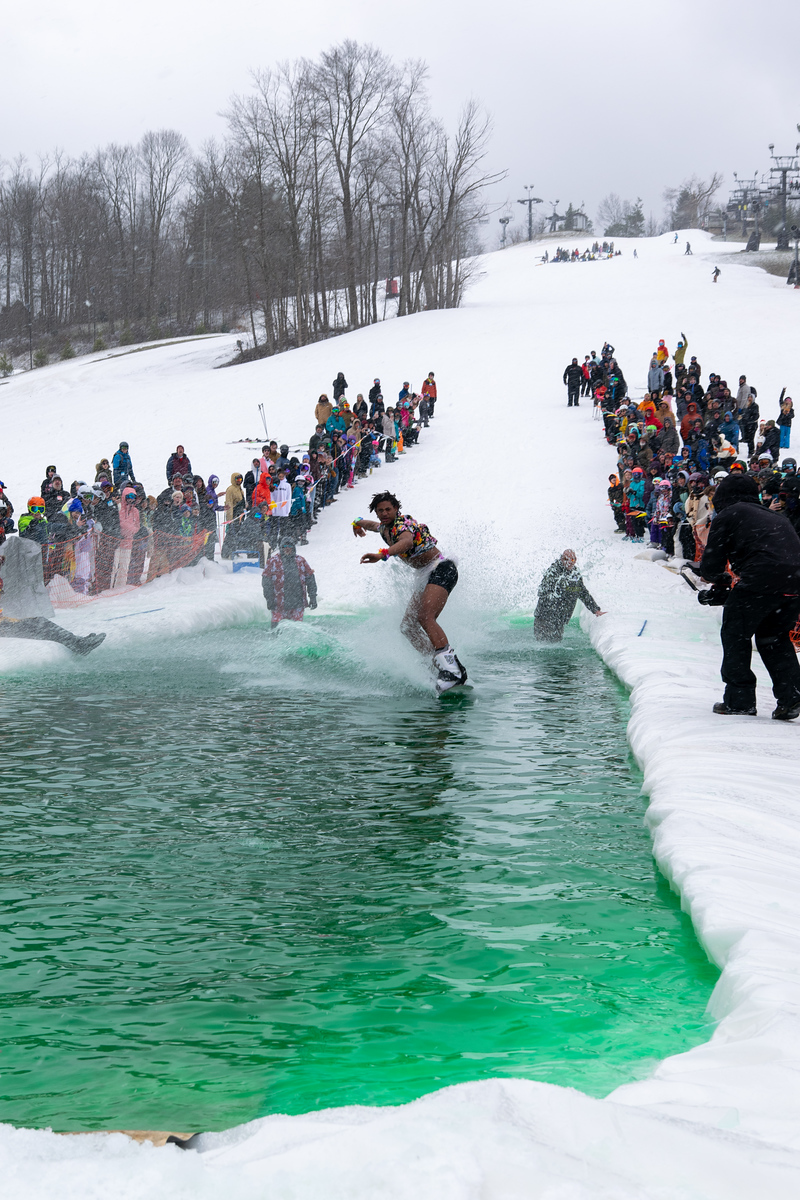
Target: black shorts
444	575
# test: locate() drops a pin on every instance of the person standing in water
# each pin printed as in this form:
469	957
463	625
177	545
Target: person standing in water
561	588
413	543
288	583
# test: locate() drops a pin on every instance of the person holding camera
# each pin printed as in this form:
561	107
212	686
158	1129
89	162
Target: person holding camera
764	552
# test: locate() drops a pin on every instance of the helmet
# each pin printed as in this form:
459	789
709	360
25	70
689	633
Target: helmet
720	474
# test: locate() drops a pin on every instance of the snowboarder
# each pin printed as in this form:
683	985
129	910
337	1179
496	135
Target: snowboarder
688	249
25	599
288	583
560	590
716	274
411	541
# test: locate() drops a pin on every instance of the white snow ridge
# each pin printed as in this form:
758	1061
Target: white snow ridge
511	477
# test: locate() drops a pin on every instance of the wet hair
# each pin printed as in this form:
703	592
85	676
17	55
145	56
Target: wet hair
384	497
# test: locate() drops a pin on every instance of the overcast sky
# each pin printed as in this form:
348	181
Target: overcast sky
586	98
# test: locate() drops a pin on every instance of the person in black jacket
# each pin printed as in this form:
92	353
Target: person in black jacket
375	391
748	424
560	590
573	377
55	497
772	441
764	552
339	386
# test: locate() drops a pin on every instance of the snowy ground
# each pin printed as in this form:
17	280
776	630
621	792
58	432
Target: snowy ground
507	477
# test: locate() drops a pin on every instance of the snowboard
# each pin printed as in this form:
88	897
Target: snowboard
454	696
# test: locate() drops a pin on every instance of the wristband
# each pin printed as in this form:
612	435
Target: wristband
357	521
384	553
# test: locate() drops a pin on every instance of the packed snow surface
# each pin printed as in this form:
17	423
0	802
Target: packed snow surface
507	477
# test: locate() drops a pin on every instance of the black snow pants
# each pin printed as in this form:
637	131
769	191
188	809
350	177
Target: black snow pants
770	618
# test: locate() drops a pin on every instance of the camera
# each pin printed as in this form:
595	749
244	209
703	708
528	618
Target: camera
717	594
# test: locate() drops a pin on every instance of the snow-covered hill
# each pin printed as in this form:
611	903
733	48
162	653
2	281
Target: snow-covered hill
507	477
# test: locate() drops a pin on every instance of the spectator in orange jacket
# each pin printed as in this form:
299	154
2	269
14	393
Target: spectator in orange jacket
429	392
263	492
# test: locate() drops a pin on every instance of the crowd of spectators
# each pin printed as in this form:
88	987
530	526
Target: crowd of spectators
676	444
110	532
596	251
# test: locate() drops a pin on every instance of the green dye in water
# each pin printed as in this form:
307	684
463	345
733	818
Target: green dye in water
230	890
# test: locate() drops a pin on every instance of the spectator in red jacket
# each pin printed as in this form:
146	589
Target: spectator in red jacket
178	464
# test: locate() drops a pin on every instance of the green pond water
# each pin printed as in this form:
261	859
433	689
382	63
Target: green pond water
243	875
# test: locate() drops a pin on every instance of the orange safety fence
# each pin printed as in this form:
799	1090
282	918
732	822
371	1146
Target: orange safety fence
93	564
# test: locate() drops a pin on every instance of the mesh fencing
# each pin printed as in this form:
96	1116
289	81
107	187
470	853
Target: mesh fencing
78	569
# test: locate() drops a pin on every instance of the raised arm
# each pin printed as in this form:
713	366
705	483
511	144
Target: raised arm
360	527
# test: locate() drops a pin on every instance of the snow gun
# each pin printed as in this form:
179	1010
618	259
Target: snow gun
714	596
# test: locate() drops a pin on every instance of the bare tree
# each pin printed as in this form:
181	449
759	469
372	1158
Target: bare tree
164	157
352	83
690	203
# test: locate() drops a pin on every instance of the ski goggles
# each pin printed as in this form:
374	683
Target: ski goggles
36	508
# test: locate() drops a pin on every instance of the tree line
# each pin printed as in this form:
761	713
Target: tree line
333	177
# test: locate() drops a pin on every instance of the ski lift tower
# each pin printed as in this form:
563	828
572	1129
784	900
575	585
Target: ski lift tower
784	178
745	202
530	200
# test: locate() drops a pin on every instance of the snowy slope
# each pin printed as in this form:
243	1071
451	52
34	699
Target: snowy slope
507	477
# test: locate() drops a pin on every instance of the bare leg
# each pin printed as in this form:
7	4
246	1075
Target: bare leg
420	625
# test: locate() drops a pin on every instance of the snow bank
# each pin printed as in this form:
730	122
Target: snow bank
507	477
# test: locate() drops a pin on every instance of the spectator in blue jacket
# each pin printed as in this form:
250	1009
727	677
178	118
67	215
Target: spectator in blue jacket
122	465
335	422
729	427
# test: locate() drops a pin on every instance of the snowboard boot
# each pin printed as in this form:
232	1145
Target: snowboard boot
787	712
451	672
722	710
89	643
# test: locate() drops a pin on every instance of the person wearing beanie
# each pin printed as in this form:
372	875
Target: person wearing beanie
288	584
764	552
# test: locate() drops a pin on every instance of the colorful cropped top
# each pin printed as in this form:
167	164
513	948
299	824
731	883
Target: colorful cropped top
423	540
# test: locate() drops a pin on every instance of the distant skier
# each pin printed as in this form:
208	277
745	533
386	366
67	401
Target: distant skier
688	249
676	240
635	255
560	590
716	274
412	542
288	583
